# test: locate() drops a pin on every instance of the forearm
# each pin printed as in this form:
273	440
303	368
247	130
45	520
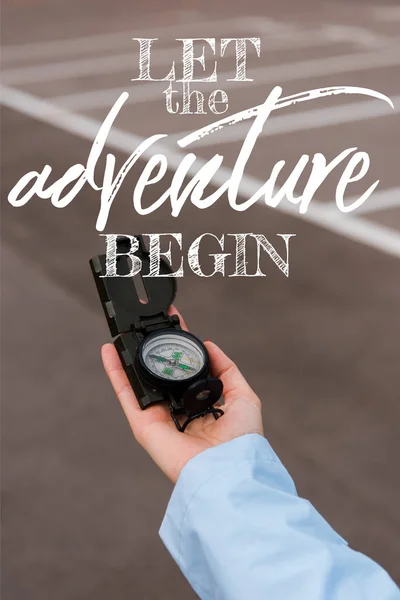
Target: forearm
237	529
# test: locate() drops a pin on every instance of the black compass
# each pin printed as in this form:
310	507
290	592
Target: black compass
163	362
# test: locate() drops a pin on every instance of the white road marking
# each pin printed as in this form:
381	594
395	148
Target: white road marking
301	121
113	41
358	35
274	74
76	68
355	228
128	61
387	13
380	201
142	92
269	27
274	32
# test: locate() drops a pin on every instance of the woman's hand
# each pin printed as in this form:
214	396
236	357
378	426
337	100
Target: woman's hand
154	429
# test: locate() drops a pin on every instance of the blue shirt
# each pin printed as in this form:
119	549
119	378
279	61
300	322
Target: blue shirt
238	531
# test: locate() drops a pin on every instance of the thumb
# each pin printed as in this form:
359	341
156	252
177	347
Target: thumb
235	385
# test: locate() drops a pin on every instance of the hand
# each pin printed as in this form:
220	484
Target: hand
154	429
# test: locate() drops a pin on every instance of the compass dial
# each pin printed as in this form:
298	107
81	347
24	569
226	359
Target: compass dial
175	356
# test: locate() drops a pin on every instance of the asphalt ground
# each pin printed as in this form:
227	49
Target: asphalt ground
82	503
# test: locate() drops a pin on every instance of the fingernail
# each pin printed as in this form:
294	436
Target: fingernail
207	340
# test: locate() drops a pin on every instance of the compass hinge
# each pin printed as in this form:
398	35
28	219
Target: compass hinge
161	321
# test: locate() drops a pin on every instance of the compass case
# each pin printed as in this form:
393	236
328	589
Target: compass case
118	295
130	322
129	319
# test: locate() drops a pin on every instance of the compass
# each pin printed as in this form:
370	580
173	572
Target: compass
163	363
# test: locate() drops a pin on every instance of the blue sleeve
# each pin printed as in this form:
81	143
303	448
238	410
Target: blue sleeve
238	530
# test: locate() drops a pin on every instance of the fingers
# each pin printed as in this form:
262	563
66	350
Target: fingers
174	311
120	382
139	420
153	427
225	369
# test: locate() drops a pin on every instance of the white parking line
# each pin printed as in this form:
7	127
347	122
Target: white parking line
301	121
355	228
387	13
275	74
272	30
164	56
76	68
266	26
380	201
113	41
282	72
358	35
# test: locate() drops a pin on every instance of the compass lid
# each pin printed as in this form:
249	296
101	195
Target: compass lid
119	297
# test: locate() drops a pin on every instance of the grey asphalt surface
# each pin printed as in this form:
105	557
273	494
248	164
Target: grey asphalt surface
82	503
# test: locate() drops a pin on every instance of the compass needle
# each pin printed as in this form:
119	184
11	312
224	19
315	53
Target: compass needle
158	358
187	367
